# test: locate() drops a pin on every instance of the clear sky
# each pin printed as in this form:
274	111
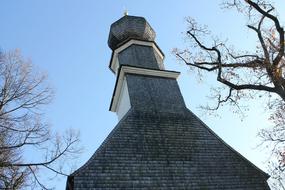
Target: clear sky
68	40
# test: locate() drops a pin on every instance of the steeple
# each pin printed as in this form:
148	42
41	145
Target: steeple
137	61
135	32
158	143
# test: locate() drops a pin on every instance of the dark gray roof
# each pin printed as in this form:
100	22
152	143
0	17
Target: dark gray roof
130	27
166	151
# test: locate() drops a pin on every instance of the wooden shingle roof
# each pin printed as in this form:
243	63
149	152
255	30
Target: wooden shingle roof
166	151
158	143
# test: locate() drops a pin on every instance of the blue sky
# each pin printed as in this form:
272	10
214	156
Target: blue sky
68	40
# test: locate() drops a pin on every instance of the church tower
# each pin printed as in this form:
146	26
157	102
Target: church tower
142	82
158	143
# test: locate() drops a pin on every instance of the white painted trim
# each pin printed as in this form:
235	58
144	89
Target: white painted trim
124	103
137	71
149	72
115	60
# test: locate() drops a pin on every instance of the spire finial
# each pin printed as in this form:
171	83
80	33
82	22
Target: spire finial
126	12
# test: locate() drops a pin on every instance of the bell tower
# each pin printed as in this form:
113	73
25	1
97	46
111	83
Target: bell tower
137	61
158	143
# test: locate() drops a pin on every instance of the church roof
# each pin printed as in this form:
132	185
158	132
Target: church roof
130	27
166	151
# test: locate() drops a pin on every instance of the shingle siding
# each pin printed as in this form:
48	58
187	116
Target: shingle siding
153	94
140	56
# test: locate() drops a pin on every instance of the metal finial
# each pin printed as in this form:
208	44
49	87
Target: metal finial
126	12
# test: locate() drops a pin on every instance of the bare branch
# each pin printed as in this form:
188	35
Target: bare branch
245	75
23	92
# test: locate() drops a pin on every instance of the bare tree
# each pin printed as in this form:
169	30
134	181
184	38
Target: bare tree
23	129
244	75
